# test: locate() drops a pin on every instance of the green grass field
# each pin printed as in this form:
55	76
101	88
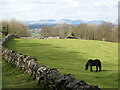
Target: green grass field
70	56
13	78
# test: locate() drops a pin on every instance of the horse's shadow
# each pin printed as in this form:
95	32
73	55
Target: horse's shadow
105	70
102	70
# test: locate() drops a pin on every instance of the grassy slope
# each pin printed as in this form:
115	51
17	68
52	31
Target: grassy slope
13	78
70	56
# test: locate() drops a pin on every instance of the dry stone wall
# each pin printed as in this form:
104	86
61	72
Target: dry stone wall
46	77
40	37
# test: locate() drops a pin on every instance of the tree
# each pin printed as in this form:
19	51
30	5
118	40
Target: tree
114	34
80	31
104	31
15	27
46	31
4	27
61	30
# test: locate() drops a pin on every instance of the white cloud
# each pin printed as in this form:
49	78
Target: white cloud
57	9
24	9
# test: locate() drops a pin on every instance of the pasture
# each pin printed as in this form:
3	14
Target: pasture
13	78
70	56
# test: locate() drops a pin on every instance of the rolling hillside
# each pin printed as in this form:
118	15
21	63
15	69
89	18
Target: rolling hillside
71	55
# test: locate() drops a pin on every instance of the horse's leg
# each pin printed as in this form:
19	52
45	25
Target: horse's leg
96	68
91	68
99	68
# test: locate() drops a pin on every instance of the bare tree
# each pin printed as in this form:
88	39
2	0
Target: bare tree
61	30
15	27
18	28
105	31
114	34
4	27
81	31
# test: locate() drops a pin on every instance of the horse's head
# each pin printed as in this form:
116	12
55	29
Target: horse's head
87	64
86	67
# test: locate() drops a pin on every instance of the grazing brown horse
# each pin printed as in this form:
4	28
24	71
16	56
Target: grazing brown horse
91	63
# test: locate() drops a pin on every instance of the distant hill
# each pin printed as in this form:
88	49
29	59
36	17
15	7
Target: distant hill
38	26
40	23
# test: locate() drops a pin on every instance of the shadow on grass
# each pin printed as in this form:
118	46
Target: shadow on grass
105	70
74	52
100	71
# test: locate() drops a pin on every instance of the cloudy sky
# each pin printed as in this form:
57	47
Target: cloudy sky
59	9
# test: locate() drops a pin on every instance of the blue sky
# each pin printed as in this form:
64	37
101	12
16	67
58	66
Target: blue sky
59	9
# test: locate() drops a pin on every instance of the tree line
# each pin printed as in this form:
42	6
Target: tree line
104	32
14	27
